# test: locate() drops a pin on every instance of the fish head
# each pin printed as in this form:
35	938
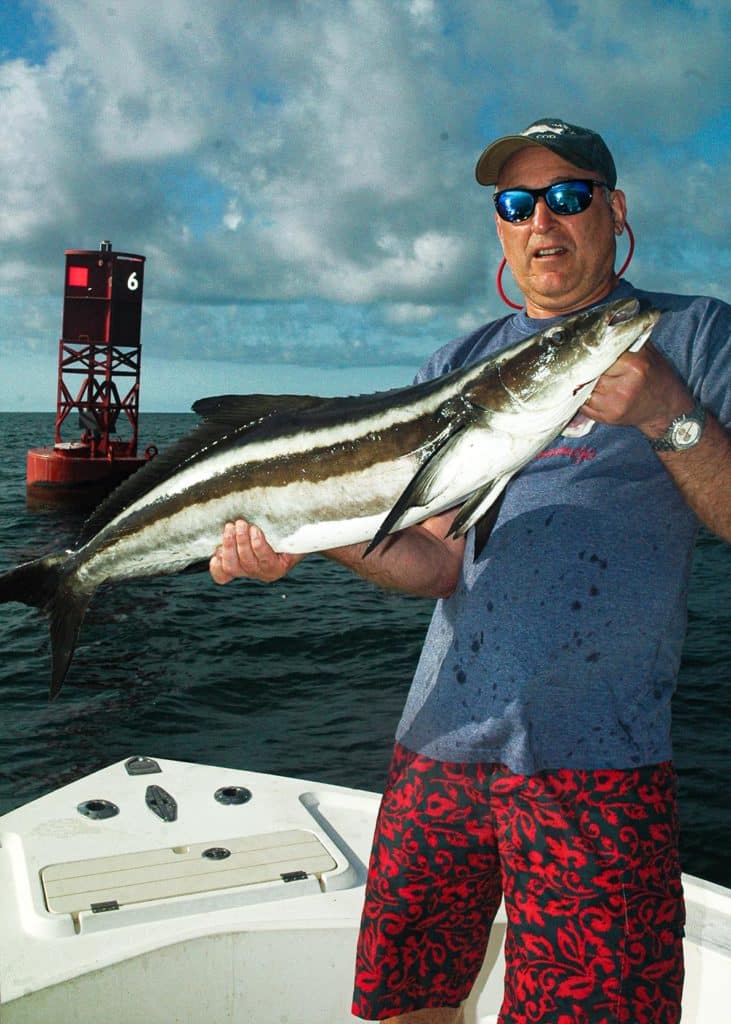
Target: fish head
569	356
613	329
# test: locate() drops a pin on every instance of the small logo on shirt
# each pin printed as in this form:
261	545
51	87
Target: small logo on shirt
565	451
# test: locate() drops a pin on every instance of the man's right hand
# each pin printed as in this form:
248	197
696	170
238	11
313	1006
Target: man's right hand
245	552
420	560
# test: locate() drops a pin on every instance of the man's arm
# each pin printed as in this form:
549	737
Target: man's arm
642	390
420	560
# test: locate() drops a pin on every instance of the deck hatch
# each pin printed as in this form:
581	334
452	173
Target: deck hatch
166	873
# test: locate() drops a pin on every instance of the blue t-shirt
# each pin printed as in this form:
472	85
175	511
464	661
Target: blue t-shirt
560	647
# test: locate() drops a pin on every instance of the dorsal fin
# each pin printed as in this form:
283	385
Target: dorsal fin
238	410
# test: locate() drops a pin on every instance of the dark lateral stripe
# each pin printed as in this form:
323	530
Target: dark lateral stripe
213	438
316	466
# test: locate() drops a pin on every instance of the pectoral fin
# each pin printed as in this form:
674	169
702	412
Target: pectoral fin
423	487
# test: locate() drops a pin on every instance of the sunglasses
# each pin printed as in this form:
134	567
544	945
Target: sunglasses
564	198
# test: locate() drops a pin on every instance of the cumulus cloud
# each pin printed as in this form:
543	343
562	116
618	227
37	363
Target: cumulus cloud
307	168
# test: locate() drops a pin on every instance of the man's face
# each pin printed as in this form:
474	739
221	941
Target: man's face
561	264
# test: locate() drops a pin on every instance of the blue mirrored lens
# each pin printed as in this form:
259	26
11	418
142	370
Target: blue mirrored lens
515	204
570	197
563	198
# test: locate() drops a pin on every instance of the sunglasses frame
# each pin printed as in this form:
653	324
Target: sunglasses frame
542	193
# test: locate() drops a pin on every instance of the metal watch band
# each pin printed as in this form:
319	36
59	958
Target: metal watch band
667	442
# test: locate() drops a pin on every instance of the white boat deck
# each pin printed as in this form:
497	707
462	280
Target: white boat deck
240	903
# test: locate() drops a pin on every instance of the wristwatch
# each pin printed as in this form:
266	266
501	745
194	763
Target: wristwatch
683	433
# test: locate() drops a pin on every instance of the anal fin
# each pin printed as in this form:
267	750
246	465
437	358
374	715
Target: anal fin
481	511
484	526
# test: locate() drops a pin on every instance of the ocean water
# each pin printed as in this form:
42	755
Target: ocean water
304	677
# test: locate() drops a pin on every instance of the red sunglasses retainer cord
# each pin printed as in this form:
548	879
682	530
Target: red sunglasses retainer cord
516	305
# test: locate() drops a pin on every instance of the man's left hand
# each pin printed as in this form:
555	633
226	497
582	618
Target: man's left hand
640	390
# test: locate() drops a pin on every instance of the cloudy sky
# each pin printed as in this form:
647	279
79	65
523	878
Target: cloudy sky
300	173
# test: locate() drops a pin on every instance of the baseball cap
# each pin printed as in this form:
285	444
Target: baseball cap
579	146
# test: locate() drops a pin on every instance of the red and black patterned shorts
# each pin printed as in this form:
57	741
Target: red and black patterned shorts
587	862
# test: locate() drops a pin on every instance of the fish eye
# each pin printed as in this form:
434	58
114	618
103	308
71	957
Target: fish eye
556	336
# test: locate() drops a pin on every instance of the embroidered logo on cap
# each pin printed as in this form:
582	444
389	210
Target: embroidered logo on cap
550	129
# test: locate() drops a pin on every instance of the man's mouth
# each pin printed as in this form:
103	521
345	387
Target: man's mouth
555	250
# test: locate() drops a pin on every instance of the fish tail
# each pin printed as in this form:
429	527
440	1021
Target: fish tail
32	583
49	584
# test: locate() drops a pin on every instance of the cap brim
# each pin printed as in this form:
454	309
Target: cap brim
492	159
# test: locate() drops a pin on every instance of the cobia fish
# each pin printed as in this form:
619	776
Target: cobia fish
316	473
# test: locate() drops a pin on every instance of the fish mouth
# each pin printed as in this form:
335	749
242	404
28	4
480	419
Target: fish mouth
624	314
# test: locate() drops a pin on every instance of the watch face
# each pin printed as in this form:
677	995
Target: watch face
686	434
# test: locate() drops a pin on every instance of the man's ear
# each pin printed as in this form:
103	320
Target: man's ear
618	204
499	230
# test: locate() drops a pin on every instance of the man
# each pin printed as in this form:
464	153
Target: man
533	758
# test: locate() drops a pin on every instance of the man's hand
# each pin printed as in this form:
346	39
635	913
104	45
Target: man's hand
245	552
420	560
640	390
643	390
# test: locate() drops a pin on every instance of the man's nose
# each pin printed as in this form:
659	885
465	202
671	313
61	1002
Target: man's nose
542	218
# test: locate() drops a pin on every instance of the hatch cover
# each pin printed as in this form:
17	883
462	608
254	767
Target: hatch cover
125	879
